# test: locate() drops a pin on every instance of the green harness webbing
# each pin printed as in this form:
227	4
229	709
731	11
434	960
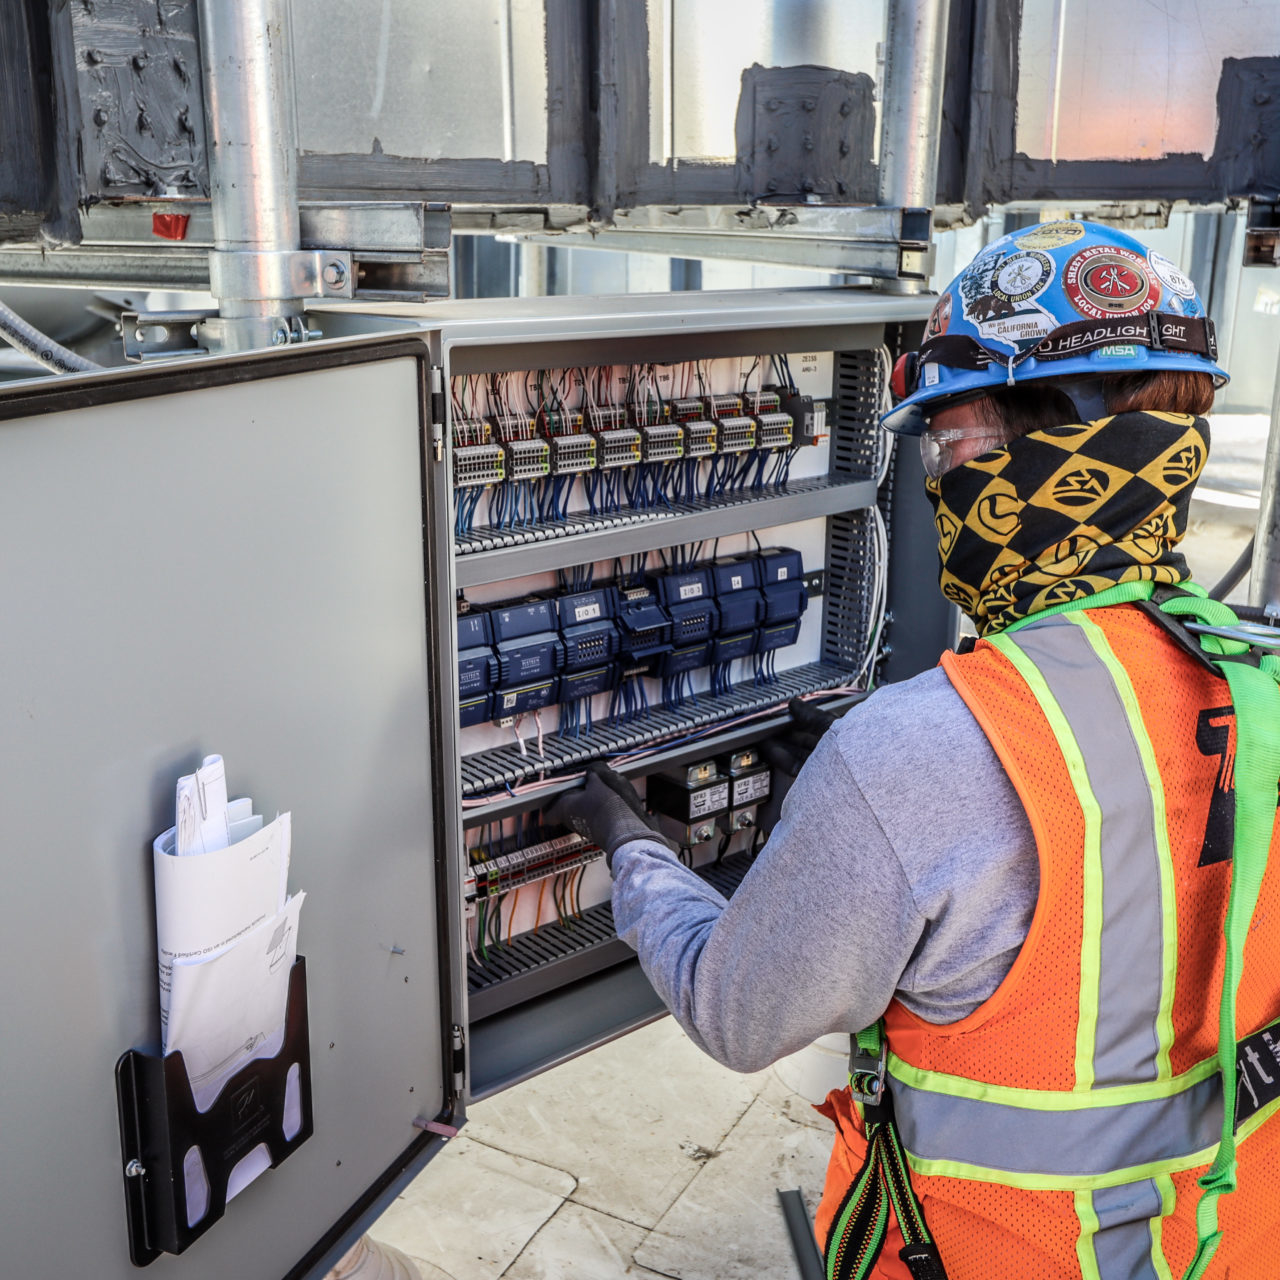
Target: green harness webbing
1256	697
858	1233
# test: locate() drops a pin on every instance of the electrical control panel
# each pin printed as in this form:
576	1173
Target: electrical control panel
707	541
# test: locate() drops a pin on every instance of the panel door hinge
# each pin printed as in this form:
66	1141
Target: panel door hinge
437	412
459	1059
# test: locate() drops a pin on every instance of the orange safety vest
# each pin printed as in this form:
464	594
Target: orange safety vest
1059	1129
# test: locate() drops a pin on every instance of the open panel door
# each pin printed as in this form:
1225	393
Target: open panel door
227	558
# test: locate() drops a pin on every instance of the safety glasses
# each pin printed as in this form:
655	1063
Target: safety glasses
942	450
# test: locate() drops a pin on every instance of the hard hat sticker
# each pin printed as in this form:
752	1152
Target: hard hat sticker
998	292
939	318
1051	235
1170	276
1103	281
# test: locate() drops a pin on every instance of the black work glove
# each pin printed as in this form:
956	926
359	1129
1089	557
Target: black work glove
787	751
606	810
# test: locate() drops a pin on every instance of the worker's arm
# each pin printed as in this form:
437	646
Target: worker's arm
792	955
903	862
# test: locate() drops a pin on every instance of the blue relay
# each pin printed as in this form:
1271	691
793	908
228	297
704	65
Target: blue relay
529	697
513	621
729	648
475	710
778	636
477	667
586	684
782	576
644	628
530	657
688	658
738	595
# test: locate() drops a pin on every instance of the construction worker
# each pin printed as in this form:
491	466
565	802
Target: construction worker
1038	873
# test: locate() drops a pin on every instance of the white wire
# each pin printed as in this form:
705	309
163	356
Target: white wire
887	439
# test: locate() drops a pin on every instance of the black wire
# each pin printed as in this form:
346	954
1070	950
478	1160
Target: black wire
1231	579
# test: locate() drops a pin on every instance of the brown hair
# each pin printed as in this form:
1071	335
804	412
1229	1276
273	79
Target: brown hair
1033	406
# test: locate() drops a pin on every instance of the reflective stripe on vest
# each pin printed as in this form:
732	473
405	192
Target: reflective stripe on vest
1129	949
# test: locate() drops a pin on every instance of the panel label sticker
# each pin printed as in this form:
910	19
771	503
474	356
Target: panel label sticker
753	787
709	800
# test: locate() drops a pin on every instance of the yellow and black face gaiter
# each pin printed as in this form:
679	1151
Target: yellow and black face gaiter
1067	512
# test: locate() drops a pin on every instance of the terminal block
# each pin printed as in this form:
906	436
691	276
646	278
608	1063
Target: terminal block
573	453
648	414
736	434
773	431
722	406
471	431
606	418
617	447
687	410
527	459
764	402
514	427
699	437
663	443
556	424
478	464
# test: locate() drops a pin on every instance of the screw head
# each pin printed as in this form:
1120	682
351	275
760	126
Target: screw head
335	275
134	1169
280	337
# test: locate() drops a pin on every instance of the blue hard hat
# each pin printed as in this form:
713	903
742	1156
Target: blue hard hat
1062	300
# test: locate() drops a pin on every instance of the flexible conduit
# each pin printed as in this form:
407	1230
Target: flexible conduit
18	333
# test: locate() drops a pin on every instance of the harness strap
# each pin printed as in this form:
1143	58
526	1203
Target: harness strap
1256	697
861	1223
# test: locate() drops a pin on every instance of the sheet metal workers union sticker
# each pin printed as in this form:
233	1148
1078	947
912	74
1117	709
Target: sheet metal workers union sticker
1102	281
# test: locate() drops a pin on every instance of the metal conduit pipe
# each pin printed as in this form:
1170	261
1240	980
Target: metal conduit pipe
1264	578
246	55
915	62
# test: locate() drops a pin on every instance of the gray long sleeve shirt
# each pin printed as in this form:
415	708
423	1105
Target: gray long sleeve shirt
903	864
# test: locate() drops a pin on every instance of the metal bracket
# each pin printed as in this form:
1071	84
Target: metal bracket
164	335
881	242
298	273
155	335
390	252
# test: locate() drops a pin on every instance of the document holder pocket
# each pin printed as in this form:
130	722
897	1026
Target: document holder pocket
160	1129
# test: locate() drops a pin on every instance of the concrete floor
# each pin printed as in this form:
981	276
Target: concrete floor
646	1158
643	1158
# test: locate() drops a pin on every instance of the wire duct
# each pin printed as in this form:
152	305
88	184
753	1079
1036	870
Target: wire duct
30	341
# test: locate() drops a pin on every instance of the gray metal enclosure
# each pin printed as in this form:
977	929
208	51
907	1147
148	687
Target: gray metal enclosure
225	560
255	556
